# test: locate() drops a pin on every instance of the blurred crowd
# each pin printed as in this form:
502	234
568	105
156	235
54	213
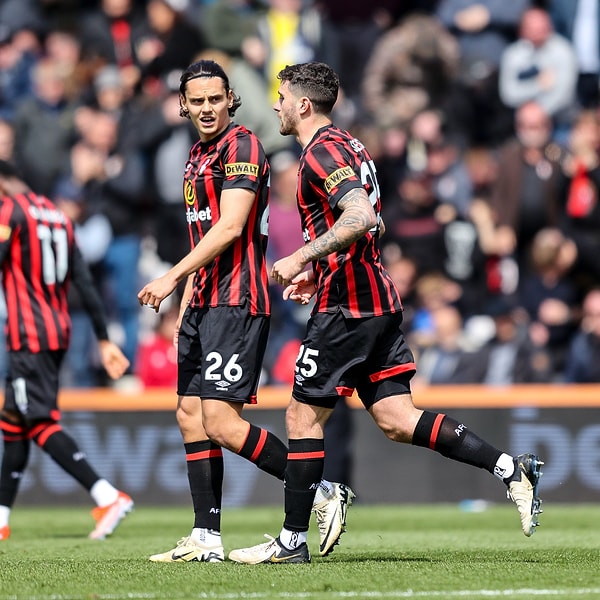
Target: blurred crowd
482	117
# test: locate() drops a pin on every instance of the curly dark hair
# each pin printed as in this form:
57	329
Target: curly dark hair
315	80
207	68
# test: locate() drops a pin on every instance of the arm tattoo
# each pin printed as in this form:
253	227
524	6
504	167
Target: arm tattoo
356	220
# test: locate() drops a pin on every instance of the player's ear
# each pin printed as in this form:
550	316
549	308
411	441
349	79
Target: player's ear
183	111
304	104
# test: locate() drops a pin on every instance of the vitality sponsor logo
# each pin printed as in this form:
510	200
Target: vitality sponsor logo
193	215
241	168
189	193
337	177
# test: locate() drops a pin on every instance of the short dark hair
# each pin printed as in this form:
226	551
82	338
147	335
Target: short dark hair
317	81
208	68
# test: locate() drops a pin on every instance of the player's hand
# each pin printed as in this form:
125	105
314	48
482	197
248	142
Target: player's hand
112	359
301	290
285	269
153	293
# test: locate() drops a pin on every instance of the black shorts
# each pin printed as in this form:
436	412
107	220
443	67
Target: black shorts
220	353
340	355
32	384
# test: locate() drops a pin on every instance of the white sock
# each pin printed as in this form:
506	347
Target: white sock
324	491
103	493
505	467
292	539
207	537
4	514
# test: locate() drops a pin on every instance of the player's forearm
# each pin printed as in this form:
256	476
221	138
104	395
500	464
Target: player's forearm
213	244
356	220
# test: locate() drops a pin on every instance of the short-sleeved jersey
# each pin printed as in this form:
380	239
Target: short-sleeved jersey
36	252
353	280
233	159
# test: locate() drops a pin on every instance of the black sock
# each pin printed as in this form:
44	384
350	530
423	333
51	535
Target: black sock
266	451
306	459
205	474
14	460
453	440
51	438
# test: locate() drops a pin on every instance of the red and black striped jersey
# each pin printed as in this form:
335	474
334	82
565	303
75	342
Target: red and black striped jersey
36	251
353	280
233	159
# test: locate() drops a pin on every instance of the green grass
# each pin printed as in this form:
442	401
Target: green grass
432	551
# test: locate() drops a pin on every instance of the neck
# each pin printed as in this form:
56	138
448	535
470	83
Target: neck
309	127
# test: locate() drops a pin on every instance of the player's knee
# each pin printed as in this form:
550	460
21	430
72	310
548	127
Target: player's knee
217	431
41	431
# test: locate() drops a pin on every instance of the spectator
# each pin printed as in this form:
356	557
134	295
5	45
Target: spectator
525	195
483	29
540	66
111	33
112	183
15	70
404	273
412	221
433	291
174	42
549	295
438	151
64	46
288	32
44	126
157	355
109	94
227	23
511	356
583	360
412	67
579	189
165	141
82	367
441	361
350	31
579	22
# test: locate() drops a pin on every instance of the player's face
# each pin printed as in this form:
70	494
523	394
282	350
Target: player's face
208	105
285	107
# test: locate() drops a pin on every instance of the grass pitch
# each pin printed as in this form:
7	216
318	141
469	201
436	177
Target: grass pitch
433	551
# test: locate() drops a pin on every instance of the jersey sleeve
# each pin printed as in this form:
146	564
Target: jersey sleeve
243	161
334	171
7	226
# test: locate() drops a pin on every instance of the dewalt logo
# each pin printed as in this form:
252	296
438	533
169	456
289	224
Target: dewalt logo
233	169
338	176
